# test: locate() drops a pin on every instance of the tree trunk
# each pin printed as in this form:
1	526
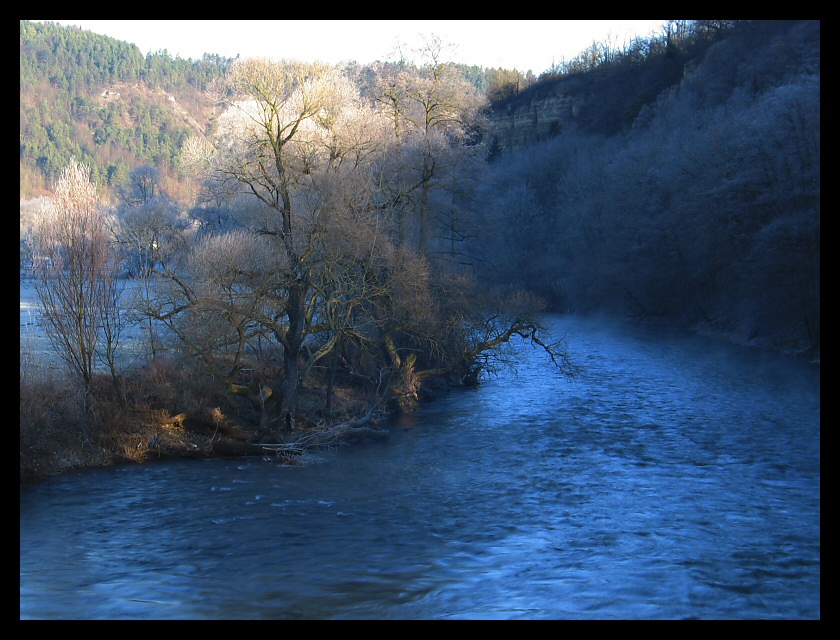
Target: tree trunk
291	357
424	205
405	390
331	380
288	404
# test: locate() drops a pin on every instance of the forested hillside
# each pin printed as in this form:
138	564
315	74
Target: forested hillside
100	101
704	212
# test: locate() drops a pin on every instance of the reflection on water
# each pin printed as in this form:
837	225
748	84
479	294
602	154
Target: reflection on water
671	480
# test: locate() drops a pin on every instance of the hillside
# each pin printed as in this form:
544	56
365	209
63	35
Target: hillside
608	98
93	98
702	212
98	100
194	116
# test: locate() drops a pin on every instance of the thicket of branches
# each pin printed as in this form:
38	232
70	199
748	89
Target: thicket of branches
328	246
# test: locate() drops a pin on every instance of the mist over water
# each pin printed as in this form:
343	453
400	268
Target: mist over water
674	478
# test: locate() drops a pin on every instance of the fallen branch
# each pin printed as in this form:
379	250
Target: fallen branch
236	448
355	430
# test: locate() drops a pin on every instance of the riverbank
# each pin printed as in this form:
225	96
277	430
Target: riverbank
164	411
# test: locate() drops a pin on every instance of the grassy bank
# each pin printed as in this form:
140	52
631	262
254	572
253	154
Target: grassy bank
164	410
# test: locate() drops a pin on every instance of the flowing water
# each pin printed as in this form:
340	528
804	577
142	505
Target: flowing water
672	479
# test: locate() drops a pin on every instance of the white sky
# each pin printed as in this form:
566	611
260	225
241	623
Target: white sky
510	44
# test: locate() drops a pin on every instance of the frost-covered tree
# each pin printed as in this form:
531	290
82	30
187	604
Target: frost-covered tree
76	275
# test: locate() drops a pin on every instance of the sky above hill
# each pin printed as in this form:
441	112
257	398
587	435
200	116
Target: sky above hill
534	45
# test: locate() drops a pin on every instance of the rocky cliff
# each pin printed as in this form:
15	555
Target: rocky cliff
536	114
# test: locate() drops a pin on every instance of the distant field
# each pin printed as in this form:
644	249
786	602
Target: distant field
33	340
34	344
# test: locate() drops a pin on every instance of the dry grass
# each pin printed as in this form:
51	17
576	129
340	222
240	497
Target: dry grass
55	434
61	429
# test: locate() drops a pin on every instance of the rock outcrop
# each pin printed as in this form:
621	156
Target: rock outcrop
535	114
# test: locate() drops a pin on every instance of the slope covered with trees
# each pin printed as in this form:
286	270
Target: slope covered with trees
97	100
685	187
704	213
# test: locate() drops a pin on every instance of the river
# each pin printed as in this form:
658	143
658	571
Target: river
676	478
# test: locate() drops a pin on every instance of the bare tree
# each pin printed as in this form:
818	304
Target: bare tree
76	275
317	269
435	113
153	238
280	141
139	234
143	186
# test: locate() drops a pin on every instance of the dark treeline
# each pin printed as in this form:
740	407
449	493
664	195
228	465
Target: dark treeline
611	83
704	212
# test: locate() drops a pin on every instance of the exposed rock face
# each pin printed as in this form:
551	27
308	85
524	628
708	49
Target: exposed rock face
536	114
